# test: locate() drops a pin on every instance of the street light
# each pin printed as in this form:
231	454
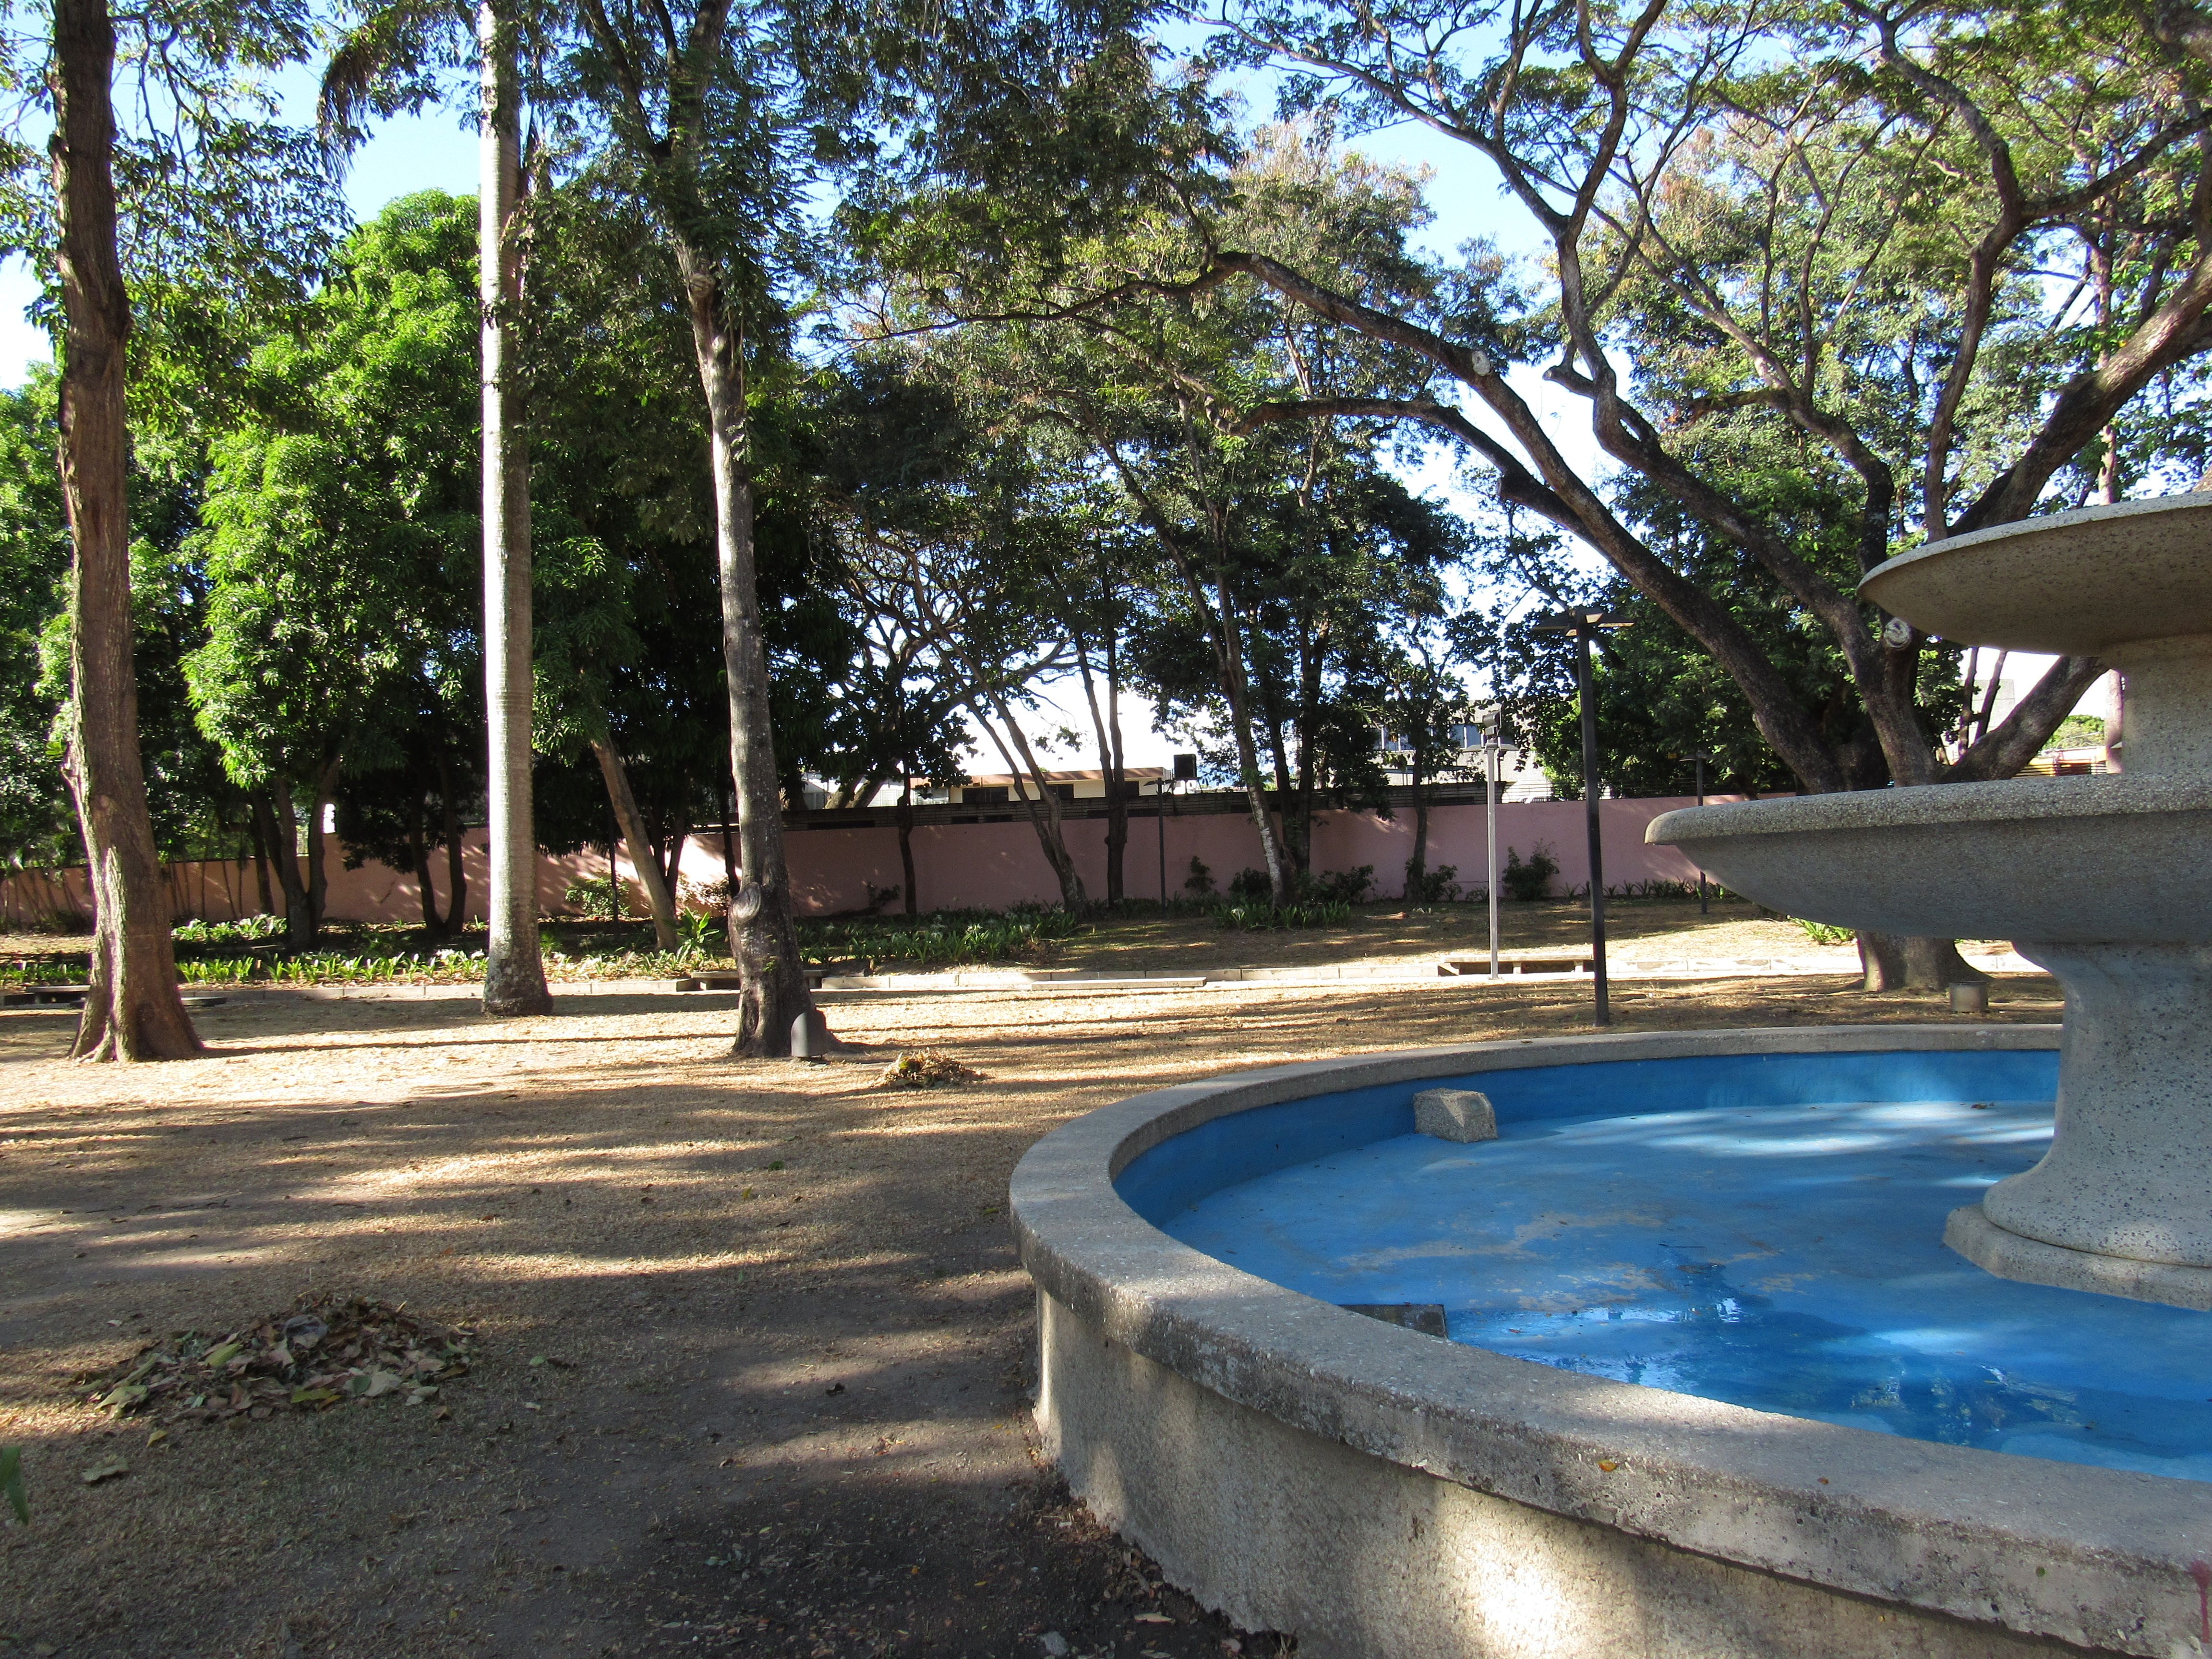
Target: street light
1585	623
1493	750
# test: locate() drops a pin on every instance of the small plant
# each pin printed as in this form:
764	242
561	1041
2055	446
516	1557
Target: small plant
246	930
878	897
216	970
1199	881
1257	917
1528	879
1821	933
695	934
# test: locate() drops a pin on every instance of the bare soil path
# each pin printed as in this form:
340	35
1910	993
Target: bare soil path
754	1349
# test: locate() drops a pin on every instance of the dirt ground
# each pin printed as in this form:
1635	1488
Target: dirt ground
1139	939
754	1351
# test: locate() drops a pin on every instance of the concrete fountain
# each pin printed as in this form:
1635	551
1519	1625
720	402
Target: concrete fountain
2106	881
1712	1385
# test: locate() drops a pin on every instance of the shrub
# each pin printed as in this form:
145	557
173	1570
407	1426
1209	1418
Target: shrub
1530	877
1821	933
945	939
1437	885
1250	886
597	896
1340	886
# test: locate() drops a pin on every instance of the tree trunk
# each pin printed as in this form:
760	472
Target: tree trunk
514	971
1417	867
284	851
1108	726
764	936
457	872
318	876
1893	962
1044	811
671	860
418	852
133	1008
256	811
641	857
906	840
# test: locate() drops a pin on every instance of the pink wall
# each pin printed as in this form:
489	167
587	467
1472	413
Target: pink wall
957	865
991	866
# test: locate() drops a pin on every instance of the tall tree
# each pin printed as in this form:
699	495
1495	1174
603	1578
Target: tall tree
515	972
133	1007
213	189
687	100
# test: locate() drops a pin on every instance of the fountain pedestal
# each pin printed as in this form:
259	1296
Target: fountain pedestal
2106	881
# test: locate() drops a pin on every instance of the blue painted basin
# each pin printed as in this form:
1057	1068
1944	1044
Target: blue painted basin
1760	1229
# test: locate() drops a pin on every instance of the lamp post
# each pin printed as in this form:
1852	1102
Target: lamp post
1492	752
1585	623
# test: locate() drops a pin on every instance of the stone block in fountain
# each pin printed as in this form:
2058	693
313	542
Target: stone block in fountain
2106	881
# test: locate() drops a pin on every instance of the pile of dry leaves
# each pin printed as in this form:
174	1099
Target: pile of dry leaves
328	1349
928	1069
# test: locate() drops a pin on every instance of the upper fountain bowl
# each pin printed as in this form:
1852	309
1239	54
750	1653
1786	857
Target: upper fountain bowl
2075	584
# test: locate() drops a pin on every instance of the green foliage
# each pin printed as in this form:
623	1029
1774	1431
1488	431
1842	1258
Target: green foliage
1529	878
598	895
2078	732
1821	933
1438	884
945	939
341	518
1260	916
246	930
1249	886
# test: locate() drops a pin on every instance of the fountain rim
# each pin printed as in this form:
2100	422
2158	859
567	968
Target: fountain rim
1949	1528
2045	612
2004	800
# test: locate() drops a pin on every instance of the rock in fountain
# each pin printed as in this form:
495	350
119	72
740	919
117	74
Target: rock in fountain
2106	881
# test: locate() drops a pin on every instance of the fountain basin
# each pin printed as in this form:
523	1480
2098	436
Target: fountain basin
2107	882
2097	859
1374	1489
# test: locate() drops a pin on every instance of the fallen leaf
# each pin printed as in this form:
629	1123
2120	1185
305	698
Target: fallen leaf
1154	1618
107	1471
1607	1465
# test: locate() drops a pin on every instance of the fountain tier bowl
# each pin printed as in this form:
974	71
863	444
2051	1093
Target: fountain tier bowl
1373	1490
2098	859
